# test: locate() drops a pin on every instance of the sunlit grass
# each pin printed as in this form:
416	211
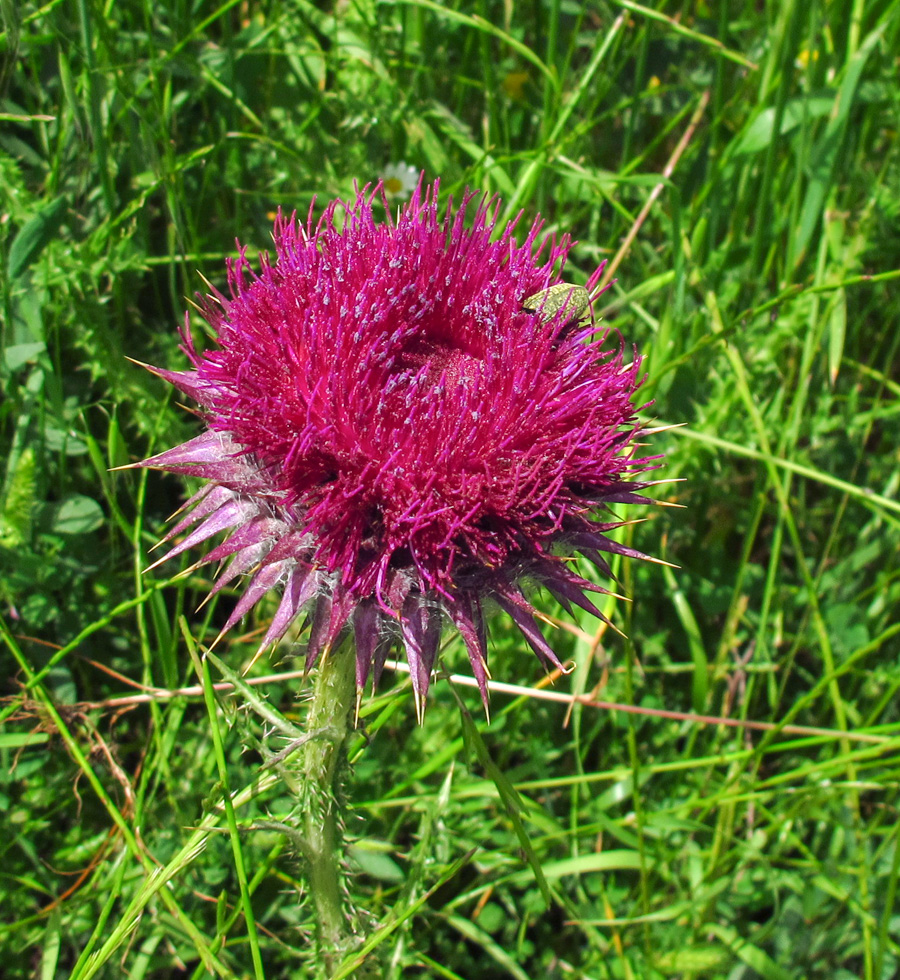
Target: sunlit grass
739	168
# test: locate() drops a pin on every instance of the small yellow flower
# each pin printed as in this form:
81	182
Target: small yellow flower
514	84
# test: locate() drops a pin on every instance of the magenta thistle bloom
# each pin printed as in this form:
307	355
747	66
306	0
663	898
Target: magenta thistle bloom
392	438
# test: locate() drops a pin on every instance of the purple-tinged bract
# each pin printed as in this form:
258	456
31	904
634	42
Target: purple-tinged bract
391	438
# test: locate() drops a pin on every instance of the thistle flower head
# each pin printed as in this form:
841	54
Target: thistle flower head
394	436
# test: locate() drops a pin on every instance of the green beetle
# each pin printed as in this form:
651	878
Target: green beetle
548	302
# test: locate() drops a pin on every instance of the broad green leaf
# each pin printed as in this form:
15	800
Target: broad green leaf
77	515
694	959
375	863
18	501
837	333
33	236
617	858
18	355
51	945
758	134
19	740
60	440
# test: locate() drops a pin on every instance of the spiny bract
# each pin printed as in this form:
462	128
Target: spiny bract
392	438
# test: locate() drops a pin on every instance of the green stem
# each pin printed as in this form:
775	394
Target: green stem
329	723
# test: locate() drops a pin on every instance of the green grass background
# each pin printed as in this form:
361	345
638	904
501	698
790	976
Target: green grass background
751	150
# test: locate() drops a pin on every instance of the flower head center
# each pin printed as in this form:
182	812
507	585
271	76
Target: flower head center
438	361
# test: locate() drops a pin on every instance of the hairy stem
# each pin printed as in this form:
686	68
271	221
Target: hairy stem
329	724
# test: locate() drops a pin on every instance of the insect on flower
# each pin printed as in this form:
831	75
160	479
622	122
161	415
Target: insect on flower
575	300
